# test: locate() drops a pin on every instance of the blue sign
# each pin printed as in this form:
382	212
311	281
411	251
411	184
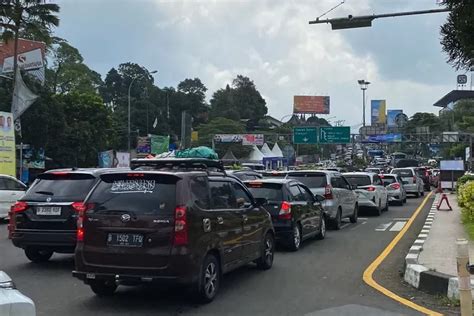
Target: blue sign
391	116
387	138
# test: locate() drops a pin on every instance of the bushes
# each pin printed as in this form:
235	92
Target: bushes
466	200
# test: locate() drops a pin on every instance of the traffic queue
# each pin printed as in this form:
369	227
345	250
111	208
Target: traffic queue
188	220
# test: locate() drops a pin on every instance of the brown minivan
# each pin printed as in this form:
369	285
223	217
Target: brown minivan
172	220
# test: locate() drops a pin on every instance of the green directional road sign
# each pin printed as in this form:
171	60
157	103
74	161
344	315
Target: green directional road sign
305	135
335	135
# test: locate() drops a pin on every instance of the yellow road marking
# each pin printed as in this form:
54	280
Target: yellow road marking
368	273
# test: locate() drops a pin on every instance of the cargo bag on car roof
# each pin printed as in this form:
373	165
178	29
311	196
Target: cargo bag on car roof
197	152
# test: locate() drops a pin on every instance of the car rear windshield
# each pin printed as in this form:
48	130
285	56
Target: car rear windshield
359	180
388	180
403	173
145	194
269	191
61	187
311	180
421	171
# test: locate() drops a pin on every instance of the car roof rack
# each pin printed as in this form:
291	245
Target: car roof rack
179	163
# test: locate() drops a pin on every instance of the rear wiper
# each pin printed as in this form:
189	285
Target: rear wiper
45	192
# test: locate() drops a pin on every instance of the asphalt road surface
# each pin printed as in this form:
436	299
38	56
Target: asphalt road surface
322	278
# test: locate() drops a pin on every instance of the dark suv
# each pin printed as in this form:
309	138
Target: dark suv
170	220
297	214
43	221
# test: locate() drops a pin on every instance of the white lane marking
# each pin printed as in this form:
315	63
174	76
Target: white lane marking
397	226
363	218
383	227
345	225
400	219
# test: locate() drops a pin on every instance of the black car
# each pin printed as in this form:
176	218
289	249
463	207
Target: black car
43	221
179	221
296	213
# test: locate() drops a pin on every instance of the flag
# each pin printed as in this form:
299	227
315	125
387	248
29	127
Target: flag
155	122
22	96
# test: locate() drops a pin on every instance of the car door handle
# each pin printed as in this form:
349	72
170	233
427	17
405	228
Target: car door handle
245	218
220	220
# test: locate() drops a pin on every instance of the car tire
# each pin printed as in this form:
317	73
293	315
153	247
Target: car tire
103	288
295	241
37	255
265	262
336	223
386	208
378	210
422	192
417	194
355	215
404	200
322	228
209	280
401	202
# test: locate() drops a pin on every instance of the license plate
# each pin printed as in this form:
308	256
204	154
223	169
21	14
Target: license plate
48	210
125	240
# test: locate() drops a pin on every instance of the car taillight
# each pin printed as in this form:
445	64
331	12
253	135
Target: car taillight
371	188
395	186
19	206
427	174
180	226
285	210
81	209
328	192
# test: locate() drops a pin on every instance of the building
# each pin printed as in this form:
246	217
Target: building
448	102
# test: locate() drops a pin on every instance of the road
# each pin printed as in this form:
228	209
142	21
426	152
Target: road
323	278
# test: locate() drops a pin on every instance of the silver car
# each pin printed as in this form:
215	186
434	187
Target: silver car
411	181
12	301
395	188
370	190
340	200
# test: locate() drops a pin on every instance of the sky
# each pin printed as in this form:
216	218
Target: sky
271	42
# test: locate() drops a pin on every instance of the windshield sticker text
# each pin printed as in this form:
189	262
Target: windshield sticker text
133	186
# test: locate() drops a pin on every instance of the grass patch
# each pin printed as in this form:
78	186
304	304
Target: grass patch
448	302
468	225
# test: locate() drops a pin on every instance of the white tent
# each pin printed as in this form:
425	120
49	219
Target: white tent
255	155
266	151
276	151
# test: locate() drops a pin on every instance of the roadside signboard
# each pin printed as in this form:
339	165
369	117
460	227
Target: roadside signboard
305	135
7	145
335	135
306	104
377	112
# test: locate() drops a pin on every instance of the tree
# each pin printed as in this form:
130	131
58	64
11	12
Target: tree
457	37
423	119
27	16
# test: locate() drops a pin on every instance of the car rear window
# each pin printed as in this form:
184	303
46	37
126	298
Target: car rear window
403	172
388	180
359	180
60	186
145	194
311	180
269	191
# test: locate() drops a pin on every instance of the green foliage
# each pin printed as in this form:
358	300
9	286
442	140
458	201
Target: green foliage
423	119
465	195
463	180
457	37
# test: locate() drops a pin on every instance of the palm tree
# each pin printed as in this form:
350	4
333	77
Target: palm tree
33	17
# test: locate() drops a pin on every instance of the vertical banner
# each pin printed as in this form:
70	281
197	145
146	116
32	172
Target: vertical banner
106	159
123	160
159	144
391	117
7	145
377	112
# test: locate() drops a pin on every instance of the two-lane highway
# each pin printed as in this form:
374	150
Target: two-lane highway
322	278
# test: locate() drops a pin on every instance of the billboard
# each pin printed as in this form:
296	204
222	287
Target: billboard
377	112
245	139
306	104
159	144
7	145
31	57
252	139
26	61
387	138
391	117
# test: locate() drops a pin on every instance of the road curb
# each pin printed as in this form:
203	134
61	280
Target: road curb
423	278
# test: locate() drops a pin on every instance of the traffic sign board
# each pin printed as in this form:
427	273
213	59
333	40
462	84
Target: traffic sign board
305	135
335	135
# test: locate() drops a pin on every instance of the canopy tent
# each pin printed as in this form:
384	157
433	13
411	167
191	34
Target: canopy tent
255	155
266	151
276	151
229	157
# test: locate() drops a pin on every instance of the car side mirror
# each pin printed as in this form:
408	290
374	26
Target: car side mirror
319	198
261	202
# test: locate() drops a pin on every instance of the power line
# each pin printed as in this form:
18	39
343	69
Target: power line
332	9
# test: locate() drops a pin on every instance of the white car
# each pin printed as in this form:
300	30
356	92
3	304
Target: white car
12	301
11	190
370	189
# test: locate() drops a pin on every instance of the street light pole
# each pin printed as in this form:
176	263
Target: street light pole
363	86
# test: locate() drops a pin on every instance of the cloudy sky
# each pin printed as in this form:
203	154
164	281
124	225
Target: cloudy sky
271	42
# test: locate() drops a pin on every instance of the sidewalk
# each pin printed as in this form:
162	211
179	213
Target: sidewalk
431	262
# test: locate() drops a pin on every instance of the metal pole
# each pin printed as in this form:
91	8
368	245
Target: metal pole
464	277
470	152
147	118
21	160
363	107
129	88
183	129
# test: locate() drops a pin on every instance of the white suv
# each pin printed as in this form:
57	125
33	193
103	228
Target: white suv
370	189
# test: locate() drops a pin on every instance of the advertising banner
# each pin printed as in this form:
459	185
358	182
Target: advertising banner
228	138
377	112
26	61
123	160
159	144
387	138
143	145
252	139
7	145
392	116
106	159
33	158
305	104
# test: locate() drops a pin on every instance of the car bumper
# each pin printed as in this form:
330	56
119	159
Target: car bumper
395	196
330	208
13	302
130	279
59	241
411	188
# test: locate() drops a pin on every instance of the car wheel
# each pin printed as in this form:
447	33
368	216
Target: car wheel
355	215
322	228
103	288
386	207
404	200
422	193
37	255
295	241
268	250
336	224
400	203
417	194
209	280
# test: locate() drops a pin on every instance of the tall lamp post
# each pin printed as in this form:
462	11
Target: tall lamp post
363	86
130	88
